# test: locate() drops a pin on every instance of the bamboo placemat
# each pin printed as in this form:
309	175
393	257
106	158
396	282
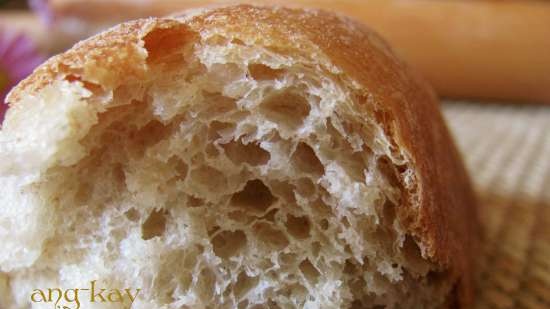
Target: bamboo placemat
507	151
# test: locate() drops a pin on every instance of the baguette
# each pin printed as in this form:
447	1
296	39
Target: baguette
236	157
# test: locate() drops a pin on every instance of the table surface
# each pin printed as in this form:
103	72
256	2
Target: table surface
507	151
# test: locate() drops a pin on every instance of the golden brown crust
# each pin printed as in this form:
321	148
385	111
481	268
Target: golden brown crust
440	208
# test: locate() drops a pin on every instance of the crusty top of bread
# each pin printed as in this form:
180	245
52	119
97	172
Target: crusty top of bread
439	205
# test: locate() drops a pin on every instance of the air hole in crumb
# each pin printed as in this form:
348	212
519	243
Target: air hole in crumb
217	129
350	268
357	304
227	244
324	224
266	263
270	236
216	105
191	255
260	71
354	164
194	202
162	42
208	176
237	42
413	256
388	212
250	153
179	167
287	258
132	214
283	190
154	225
255	197
93	87
217	39
270	216
347	249
309	271
315	248
298	227
227	292
205	285
357	288
437	277
84	192
345	222
307	161
389	171
305	187
295	289
243	304
384	235
118	175
211	151
336	140
185	280
401	168
213	229
286	108
243	285
197	158
272	304
320	208
148	135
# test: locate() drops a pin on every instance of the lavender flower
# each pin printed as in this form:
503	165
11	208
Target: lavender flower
42	8
18	57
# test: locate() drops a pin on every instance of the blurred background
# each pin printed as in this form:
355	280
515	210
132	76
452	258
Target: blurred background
489	61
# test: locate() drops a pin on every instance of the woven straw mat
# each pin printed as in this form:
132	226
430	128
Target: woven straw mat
507	152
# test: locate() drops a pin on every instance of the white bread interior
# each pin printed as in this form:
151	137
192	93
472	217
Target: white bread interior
233	176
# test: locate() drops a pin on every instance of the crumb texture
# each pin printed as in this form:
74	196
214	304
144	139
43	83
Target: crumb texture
231	176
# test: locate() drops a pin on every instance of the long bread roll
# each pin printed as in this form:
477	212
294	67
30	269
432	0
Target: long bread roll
466	49
238	157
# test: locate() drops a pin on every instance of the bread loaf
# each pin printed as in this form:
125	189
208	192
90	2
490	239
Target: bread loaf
236	157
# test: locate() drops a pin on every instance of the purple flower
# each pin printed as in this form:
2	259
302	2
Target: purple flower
18	57
42	9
